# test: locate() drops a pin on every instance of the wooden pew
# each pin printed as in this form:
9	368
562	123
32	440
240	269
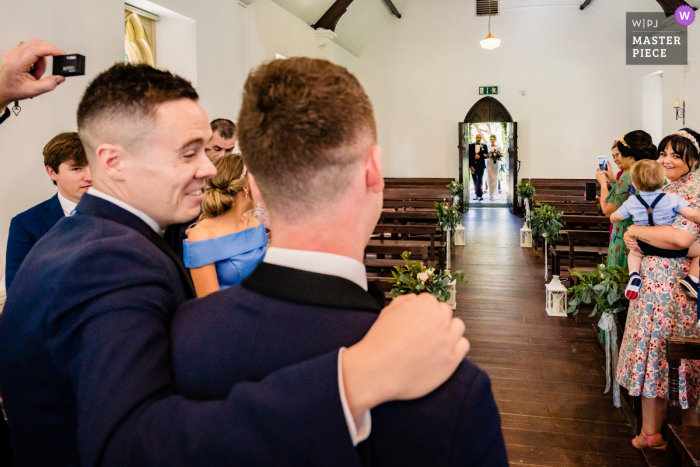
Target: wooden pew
683	441
390	182
587	246
408	205
417	194
587	208
404	217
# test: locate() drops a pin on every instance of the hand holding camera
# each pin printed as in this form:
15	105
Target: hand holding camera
22	69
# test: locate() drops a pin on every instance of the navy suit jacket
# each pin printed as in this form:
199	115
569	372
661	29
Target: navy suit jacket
279	316
26	229
473	161
86	374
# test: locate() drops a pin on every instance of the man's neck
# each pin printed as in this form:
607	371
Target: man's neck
69	198
321	235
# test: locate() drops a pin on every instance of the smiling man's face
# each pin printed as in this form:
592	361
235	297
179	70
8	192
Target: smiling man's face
166	179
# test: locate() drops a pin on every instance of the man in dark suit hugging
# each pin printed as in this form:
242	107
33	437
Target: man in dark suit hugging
85	343
478	153
308	137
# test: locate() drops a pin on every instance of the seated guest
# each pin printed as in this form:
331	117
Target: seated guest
310	293
85	351
66	164
226	244
223	139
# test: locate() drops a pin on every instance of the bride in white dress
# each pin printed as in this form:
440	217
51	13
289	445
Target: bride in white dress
492	169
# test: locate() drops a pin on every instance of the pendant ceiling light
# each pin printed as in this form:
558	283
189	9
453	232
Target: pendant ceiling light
490	42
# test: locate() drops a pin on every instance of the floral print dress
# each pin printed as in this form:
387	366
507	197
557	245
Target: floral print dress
617	251
662	310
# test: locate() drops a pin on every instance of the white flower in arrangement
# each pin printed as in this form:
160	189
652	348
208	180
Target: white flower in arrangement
431	271
422	276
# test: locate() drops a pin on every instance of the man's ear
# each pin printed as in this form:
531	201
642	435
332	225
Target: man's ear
110	159
373	169
257	196
52	173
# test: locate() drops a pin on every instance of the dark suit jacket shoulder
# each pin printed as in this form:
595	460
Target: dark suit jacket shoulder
85	363
26	229
270	321
473	162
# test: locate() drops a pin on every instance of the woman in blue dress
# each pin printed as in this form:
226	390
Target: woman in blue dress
226	244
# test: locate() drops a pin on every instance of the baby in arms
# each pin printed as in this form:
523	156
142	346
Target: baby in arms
653	207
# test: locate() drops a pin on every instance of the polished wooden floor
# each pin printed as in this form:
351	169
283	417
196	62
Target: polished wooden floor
548	374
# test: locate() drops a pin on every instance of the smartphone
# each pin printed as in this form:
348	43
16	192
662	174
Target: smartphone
603	163
590	191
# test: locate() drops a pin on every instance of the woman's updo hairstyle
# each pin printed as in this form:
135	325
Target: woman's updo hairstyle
683	146
220	193
638	145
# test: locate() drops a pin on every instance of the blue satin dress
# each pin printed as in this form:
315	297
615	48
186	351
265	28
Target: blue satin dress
235	255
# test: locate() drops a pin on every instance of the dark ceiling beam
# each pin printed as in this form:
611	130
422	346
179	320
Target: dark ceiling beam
585	4
393	9
330	18
670	6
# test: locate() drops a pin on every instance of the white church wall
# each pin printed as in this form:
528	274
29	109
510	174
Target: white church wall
230	39
423	72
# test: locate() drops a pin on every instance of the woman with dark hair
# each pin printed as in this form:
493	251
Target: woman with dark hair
634	146
662	310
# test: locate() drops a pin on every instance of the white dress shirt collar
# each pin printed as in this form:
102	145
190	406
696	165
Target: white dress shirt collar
67	205
144	217
321	263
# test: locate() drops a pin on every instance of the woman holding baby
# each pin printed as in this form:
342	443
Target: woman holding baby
663	309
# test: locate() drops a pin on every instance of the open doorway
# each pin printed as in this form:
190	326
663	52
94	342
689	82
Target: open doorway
495	176
499	175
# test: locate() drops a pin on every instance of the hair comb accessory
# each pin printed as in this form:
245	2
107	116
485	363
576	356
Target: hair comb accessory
245	171
622	140
686	135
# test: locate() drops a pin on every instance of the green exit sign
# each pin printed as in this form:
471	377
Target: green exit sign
485	90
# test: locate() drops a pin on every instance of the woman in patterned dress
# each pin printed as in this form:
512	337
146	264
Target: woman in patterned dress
633	147
662	309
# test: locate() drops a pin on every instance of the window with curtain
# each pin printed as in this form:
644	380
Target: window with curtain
139	38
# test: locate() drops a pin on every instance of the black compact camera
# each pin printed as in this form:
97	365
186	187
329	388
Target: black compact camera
69	65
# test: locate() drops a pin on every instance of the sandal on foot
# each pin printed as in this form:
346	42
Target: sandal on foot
653	441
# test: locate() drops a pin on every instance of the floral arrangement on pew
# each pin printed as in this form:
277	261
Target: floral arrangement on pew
415	278
495	155
456	190
604	286
525	190
448	216
545	221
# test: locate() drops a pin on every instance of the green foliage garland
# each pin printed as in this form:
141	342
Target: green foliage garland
525	190
546	221
416	278
604	286
448	216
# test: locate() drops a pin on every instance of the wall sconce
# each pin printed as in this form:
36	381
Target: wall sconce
680	111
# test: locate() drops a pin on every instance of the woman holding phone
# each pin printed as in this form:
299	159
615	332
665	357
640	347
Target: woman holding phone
633	147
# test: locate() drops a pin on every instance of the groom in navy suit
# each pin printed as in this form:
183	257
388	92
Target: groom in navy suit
478	153
312	121
85	346
67	166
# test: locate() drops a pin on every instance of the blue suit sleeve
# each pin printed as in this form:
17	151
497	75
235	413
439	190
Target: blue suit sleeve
115	353
478	438
19	242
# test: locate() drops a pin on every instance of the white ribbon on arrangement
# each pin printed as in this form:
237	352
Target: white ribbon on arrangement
449	253
546	256
607	323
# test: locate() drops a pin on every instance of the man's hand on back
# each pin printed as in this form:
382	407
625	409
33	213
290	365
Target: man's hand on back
21	71
414	346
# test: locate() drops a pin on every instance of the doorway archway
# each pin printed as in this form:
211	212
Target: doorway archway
490	110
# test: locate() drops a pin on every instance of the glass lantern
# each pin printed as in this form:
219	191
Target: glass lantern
526	236
557	298
460	235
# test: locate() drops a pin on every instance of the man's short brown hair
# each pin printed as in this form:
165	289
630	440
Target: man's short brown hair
304	123
122	97
226	128
64	147
648	175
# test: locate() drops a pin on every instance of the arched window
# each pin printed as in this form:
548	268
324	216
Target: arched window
139	39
